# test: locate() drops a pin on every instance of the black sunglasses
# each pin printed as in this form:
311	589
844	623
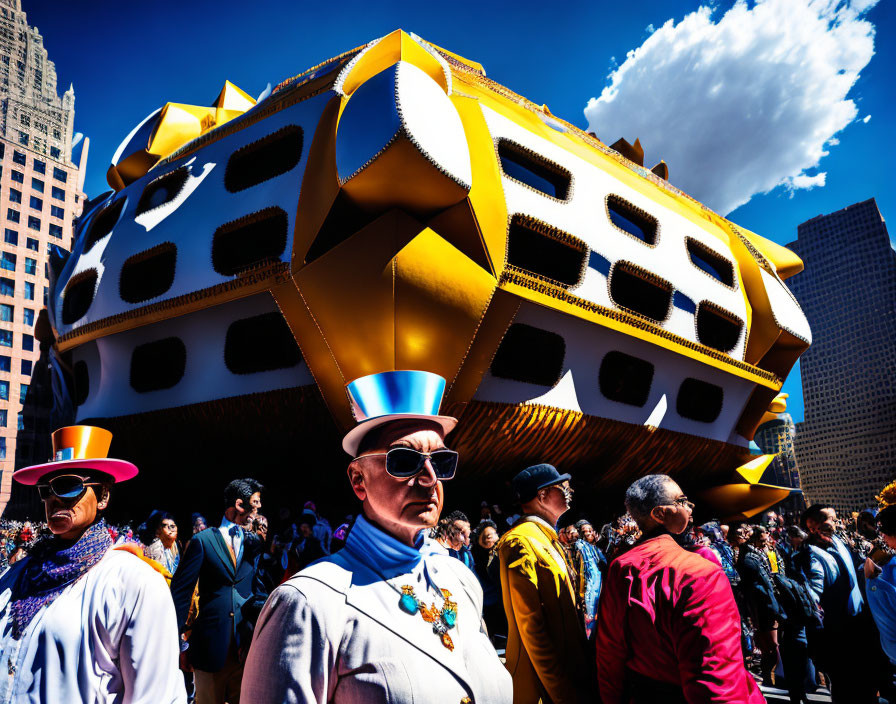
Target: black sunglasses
403	462
67	487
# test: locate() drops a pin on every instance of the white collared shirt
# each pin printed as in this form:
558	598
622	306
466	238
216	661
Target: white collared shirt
236	541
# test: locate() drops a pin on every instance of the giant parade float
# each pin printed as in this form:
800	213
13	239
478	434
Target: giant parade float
395	209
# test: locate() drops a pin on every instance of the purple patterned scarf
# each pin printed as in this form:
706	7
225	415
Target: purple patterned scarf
50	568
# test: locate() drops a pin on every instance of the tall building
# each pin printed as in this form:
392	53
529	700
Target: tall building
776	437
41	191
846	446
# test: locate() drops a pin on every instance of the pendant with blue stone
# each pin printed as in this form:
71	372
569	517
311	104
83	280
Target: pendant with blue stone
408	602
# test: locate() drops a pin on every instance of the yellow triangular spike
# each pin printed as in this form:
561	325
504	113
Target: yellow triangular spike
752	471
232	97
786	262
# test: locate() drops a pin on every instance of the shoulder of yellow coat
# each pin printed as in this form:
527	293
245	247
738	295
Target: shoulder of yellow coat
136	551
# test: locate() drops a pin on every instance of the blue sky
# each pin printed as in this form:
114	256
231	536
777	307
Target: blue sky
127	59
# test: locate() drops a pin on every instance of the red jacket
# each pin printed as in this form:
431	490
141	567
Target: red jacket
669	615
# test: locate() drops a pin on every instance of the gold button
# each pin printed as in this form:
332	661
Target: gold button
466	700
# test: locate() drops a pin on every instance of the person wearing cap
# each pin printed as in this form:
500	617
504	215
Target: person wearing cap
385	619
669	629
546	647
82	622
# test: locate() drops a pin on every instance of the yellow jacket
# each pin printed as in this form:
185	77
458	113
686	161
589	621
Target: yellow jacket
547	654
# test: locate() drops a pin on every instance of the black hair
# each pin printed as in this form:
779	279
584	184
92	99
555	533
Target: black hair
582	523
814	513
241	489
886	519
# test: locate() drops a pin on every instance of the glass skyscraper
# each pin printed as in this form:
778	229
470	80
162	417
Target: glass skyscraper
846	446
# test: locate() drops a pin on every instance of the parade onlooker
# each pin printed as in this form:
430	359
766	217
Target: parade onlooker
668	629
223	561
382	620
880	573
486	564
304	549
199	523
594	565
453	534
831	573
84	622
759	592
546	646
163	549
320	527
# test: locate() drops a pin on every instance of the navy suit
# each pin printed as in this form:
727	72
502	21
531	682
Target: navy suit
229	596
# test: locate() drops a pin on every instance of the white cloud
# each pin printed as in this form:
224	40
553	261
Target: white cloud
650	29
744	104
866	119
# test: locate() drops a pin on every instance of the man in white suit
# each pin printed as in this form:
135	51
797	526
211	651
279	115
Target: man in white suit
385	619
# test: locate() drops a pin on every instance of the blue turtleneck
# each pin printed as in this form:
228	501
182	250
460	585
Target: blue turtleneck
381	552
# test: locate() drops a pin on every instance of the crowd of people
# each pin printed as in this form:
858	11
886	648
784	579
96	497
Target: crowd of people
405	601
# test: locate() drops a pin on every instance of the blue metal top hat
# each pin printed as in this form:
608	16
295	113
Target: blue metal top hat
377	399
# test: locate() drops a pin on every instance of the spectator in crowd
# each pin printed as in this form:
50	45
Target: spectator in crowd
759	592
594	566
305	548
223	561
832	577
199	523
722	551
84	622
546	647
382	620
453	534
163	549
880	575
320	527
486	564
669	627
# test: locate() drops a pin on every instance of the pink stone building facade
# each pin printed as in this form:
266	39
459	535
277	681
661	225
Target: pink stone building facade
41	192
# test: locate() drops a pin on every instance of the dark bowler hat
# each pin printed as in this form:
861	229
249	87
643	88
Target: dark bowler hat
527	483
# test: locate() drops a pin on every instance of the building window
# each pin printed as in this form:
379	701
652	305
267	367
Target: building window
57	212
55	230
37	185
5	363
28	316
32	244
8	261
2	448
23	139
15	195
6	338
30	266
27	342
27	367
12	215
58	193
36	203
3	418
46	295
23	392
17	176
19	157
6	312
33	222
54	152
20	422
4	391
7	287
40	167
29	291
11	237
59	174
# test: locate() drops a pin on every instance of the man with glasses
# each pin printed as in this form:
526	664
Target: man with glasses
669	629
546	645
385	619
81	621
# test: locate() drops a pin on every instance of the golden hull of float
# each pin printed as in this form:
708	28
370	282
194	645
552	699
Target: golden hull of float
404	254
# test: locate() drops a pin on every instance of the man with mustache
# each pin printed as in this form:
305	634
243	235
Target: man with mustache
387	618
546	645
848	646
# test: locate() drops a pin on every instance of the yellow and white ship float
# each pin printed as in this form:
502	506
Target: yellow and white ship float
393	208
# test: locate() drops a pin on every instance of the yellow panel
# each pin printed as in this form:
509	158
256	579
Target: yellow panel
178	124
786	261
440	298
475	65
397	46
232	98
742	501
753	470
